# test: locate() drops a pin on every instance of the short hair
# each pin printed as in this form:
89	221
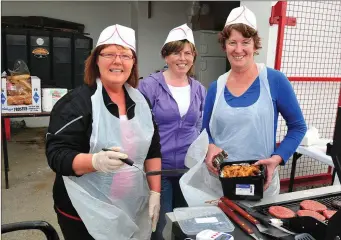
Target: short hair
177	46
91	71
245	30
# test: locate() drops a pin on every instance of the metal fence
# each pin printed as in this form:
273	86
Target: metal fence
310	56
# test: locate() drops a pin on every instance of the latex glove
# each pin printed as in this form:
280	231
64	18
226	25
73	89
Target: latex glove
108	161
271	164
154	208
213	151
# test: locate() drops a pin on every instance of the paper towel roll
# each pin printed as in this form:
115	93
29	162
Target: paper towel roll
50	96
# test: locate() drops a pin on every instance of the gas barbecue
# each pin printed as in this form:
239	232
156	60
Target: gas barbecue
299	225
295	205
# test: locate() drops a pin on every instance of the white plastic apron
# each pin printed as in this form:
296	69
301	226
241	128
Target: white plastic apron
246	133
115	205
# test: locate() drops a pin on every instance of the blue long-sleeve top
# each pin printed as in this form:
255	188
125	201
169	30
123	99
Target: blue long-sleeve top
284	101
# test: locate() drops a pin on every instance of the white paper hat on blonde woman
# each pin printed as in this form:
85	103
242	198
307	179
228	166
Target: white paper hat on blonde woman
242	15
180	33
117	34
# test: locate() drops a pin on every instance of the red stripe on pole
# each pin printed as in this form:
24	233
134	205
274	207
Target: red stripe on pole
8	128
281	7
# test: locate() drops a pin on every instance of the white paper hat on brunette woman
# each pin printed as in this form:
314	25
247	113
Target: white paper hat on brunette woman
117	34
242	15
180	33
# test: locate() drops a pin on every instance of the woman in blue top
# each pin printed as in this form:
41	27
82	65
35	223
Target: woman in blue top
242	106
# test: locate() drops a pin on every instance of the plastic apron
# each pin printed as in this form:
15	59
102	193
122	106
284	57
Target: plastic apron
246	133
115	205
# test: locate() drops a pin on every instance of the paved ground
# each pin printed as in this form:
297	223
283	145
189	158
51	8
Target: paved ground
30	194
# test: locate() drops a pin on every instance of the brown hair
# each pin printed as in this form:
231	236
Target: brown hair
245	30
177	46
91	71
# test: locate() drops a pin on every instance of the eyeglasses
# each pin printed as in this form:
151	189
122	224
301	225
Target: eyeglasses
112	56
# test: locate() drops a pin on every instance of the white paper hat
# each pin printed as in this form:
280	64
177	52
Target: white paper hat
117	34
180	33
242	15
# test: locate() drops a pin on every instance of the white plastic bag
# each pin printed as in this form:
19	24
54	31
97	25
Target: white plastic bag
311	137
198	185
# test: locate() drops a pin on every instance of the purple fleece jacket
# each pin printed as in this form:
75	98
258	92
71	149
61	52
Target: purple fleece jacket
176	132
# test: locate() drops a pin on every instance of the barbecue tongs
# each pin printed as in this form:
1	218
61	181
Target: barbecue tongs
302	225
228	207
166	172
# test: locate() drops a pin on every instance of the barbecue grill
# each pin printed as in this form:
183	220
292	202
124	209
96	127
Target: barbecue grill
328	229
295	205
312	226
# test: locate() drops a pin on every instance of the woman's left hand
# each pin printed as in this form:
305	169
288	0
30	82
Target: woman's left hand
154	208
271	164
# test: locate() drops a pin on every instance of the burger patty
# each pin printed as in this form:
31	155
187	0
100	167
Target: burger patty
311	214
329	213
281	212
313	206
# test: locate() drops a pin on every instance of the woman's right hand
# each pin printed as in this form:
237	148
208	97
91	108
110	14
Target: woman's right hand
213	151
108	161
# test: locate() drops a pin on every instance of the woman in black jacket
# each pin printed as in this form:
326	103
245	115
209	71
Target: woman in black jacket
96	195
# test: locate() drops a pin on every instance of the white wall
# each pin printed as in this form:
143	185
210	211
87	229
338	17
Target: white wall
262	10
272	42
153	32
94	15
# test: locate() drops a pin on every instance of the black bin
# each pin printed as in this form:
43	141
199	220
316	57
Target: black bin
14	46
62	60
40	56
82	49
243	188
56	57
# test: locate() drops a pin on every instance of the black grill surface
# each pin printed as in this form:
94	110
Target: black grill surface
295	205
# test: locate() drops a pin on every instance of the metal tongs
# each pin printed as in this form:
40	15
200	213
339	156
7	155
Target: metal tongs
169	172
268	221
299	225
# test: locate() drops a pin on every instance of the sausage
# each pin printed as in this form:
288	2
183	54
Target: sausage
313	206
329	213
311	214
281	212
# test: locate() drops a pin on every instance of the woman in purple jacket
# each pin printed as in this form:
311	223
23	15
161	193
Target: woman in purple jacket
177	101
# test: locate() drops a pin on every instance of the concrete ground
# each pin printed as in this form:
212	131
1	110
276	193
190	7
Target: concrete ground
30	194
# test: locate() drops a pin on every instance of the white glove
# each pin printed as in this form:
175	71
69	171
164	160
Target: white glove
108	161
154	208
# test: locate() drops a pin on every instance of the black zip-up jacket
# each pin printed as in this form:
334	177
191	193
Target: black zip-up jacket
69	134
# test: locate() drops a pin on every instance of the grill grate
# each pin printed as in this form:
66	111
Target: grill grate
295	205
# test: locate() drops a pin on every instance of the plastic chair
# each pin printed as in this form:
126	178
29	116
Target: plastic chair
45	227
